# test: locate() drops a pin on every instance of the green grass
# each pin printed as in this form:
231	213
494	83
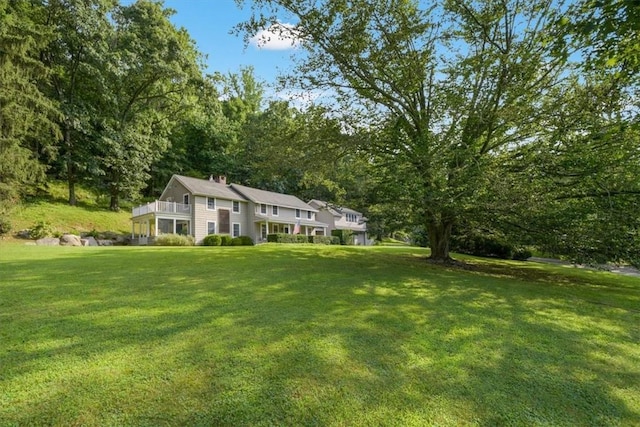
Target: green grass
51	207
310	335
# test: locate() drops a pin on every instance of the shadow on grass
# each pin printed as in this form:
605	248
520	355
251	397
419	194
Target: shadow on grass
306	336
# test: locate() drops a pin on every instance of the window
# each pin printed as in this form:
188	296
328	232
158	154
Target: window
309	215
211	227
352	217
263	231
263	209
211	203
185	199
236	206
236	229
297	213
274	210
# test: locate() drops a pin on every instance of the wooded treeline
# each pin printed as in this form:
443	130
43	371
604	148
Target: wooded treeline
447	119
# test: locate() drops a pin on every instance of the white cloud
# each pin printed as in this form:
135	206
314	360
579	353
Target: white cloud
276	37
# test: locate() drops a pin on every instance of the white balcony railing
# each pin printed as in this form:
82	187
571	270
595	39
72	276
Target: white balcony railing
162	207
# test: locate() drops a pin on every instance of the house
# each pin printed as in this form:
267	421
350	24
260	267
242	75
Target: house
199	207
341	218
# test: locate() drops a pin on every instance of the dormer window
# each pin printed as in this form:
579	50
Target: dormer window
352	217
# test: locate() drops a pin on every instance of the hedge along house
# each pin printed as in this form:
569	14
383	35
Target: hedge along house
200	207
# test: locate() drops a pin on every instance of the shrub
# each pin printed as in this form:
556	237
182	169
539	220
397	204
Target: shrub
40	231
226	240
481	244
5	225
324	240
246	240
345	236
522	254
212	240
287	238
174	240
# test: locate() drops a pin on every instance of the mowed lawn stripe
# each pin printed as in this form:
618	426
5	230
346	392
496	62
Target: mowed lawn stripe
311	335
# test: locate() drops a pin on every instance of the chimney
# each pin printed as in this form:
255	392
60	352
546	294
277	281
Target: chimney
221	179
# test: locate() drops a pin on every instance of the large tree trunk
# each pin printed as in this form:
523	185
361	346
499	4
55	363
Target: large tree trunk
114	194
71	172
439	237
115	202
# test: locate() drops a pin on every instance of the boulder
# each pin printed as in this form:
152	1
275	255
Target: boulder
104	242
23	234
89	241
70	240
48	241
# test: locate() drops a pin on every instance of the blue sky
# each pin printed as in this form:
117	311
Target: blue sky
209	23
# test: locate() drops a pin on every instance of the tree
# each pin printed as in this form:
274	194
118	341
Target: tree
149	74
77	56
27	117
456	83
202	142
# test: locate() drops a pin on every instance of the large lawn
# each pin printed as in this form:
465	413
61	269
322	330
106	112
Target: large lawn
285	335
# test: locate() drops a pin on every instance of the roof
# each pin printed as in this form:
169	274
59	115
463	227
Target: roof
334	209
205	187
271	198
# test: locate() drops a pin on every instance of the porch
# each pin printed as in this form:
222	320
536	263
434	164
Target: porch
267	226
160	206
159	217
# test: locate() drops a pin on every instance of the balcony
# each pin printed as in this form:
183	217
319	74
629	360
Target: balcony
162	207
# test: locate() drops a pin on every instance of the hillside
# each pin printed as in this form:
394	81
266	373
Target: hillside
50	206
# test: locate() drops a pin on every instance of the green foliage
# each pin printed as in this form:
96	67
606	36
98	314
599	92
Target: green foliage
521	254
324	240
344	236
245	241
212	240
5	224
287	238
174	240
27	116
482	244
40	230
226	240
